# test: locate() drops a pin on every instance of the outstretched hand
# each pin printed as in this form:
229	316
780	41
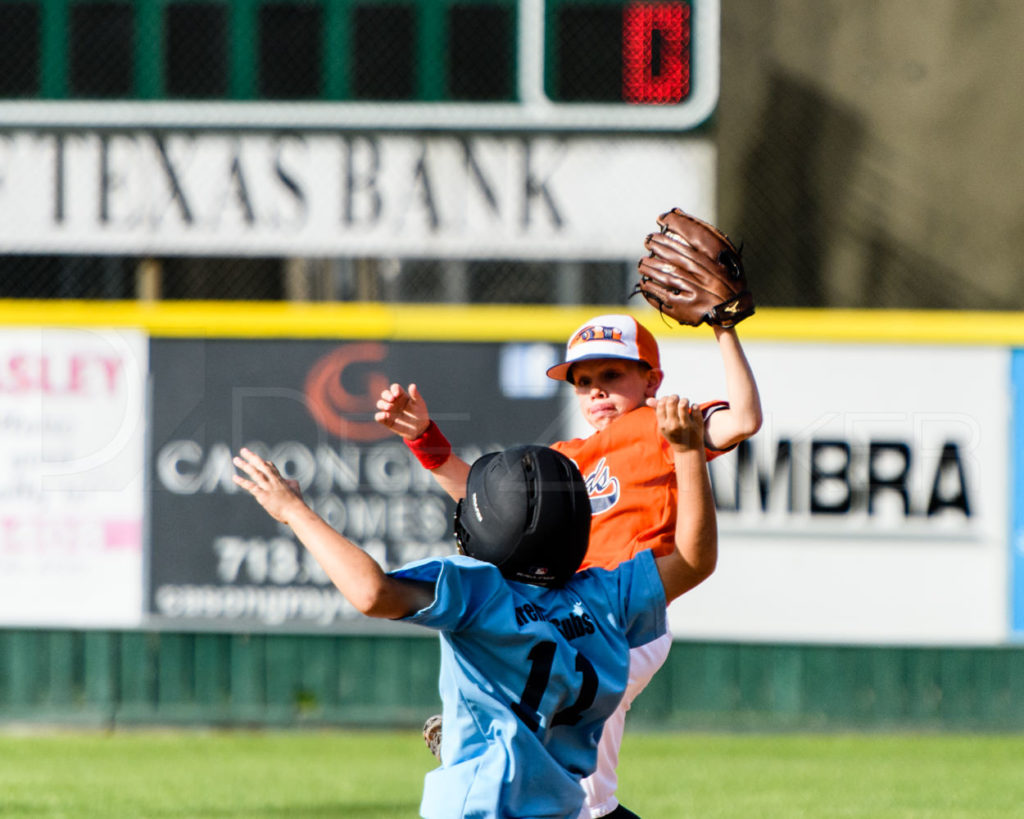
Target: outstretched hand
680	422
404	413
278	496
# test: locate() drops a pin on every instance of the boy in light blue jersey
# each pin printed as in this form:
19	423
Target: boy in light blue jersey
534	655
528	677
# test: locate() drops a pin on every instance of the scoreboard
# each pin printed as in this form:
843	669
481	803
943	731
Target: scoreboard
377	64
637	52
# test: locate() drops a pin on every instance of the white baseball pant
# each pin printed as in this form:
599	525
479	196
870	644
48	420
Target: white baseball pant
600	786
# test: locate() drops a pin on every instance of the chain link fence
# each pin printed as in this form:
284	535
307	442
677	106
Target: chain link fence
836	206
305	279
313	50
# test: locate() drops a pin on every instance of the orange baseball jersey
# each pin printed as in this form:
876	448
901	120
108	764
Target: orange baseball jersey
631	481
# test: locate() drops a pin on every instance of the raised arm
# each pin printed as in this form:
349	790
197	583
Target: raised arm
696	551
357	575
742	419
405	413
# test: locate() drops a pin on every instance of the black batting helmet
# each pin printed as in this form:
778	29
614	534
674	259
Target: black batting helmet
526	511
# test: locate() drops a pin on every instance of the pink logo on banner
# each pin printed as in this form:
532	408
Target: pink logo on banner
122	534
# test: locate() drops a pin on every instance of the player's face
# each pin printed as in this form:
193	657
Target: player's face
609	387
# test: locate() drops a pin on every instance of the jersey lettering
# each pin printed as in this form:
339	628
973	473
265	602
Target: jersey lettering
541	658
529	613
602	488
576	624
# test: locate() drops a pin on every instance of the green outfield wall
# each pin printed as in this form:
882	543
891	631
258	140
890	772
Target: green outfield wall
122	679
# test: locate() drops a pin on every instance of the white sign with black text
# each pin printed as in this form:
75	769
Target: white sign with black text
352	194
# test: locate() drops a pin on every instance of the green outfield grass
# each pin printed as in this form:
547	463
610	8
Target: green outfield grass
378	775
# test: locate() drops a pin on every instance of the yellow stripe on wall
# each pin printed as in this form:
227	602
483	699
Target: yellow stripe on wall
220	319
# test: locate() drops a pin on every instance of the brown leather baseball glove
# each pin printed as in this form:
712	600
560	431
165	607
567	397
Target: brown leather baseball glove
694	273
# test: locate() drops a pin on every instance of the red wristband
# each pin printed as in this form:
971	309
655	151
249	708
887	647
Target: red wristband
431	449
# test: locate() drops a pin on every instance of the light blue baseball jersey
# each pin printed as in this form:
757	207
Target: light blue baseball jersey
528	677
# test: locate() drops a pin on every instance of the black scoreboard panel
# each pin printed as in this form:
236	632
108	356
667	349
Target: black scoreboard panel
636	53
548	54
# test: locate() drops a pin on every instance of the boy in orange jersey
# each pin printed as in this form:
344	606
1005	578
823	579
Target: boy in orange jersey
613	363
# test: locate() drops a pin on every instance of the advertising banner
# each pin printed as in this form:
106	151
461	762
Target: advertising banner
72	439
217	559
881	502
345	194
870	508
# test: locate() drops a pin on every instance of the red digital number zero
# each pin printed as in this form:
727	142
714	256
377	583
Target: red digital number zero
655	52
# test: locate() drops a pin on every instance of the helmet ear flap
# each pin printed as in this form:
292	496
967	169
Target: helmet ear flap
527	512
462	537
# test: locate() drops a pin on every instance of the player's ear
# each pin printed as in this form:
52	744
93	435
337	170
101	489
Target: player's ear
654	379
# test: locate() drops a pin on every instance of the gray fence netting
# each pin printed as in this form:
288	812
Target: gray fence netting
858	170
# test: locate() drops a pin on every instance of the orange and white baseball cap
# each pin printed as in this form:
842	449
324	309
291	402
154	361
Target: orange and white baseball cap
610	336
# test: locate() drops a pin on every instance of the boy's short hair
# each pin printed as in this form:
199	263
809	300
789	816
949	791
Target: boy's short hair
609	336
